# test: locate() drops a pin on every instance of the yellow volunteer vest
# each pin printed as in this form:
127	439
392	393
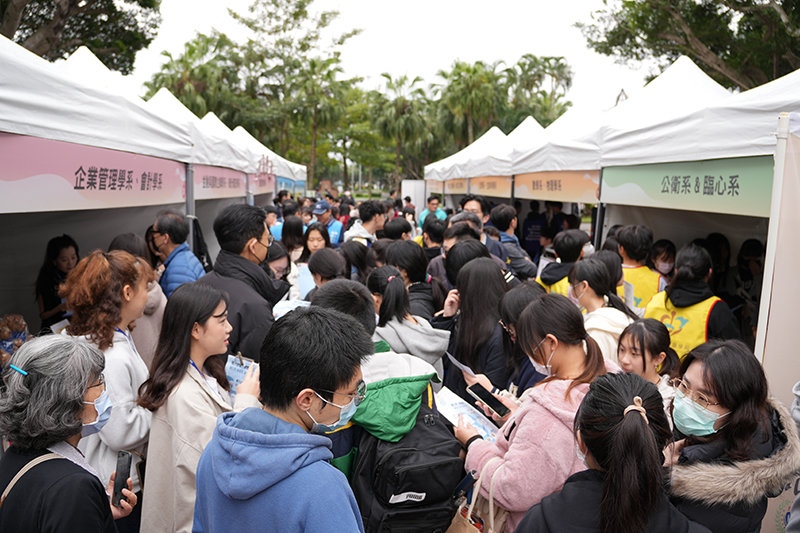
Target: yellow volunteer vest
559	287
688	326
645	284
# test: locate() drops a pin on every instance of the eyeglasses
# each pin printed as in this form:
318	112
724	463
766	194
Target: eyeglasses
504	326
101	383
280	271
699	399
361	393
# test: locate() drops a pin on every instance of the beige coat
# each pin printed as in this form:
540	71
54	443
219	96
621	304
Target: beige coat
180	430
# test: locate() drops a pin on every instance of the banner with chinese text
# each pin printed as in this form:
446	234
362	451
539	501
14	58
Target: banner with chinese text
44	175
263	181
217	182
433	187
558	186
494	186
741	186
458	186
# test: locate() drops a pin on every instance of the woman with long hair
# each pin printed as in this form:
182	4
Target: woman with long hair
359	259
316	238
471	315
425	293
620	430
403	331
325	265
592	288
536	444
186	392
60	258
689	308
292	237
523	375
737	445
644	350
107	292
145	334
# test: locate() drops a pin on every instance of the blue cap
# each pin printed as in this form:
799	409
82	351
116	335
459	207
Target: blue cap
321	206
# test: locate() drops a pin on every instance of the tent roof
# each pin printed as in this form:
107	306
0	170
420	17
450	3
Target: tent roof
281	167
38	99
484	157
740	125
577	139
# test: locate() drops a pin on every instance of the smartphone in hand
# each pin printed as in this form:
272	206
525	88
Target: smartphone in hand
121	477
479	392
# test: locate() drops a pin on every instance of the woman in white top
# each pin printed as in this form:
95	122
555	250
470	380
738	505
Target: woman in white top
644	349
107	292
187	391
591	288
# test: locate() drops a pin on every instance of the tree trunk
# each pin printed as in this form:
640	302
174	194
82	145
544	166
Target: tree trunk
346	179
369	194
397	162
46	37
12	17
310	182
469	129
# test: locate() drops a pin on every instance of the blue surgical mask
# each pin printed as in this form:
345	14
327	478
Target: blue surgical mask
103	407
690	419
345	414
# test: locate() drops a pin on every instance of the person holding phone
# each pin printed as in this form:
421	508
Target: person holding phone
186	392
536	444
54	395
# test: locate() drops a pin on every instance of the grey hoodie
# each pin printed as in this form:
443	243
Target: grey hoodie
357	230
420	340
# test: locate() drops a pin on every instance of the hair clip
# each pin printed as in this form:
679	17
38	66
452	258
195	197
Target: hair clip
427	278
18	370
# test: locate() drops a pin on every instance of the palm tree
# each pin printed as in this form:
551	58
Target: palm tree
319	97
399	119
474	91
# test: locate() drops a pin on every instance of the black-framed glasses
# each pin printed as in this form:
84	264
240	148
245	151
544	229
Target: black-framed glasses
699	399
360	394
101	383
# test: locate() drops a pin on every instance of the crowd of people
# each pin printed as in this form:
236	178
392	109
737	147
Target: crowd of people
633	400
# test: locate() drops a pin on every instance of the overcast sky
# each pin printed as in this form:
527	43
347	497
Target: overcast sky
421	37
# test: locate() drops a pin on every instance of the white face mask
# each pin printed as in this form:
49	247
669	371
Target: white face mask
545	370
580	454
664	268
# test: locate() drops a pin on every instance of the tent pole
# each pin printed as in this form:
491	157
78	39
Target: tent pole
772	235
513	192
601	215
190	200
248	195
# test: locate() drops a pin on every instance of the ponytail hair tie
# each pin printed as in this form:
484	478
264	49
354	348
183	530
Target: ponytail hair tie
637	406
391	278
427	278
585	336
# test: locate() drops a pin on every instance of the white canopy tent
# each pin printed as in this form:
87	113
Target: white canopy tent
484	157
577	140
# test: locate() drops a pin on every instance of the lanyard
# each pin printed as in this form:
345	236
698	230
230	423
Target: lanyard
130	341
205	379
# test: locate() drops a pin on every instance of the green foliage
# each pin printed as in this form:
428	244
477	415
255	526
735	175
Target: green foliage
113	30
288	91
740	43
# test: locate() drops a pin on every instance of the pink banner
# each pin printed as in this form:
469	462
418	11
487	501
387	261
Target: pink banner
217	182
263	182
44	175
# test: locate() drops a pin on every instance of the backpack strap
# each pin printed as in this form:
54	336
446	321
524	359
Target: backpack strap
24	470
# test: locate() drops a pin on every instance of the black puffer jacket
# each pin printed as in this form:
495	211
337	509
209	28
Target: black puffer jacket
729	496
420	295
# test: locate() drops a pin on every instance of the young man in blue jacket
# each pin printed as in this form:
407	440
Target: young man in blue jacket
269	469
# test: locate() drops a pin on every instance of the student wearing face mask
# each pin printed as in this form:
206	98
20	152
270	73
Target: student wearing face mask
591	288
269	467
536	444
620	430
662	258
737	446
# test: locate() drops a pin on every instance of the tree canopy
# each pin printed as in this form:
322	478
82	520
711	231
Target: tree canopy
739	43
113	30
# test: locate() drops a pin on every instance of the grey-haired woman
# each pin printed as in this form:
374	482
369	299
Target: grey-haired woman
54	393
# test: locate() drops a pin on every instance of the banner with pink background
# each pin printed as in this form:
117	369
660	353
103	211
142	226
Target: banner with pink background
44	175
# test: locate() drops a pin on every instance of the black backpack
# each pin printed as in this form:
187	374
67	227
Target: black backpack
407	486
